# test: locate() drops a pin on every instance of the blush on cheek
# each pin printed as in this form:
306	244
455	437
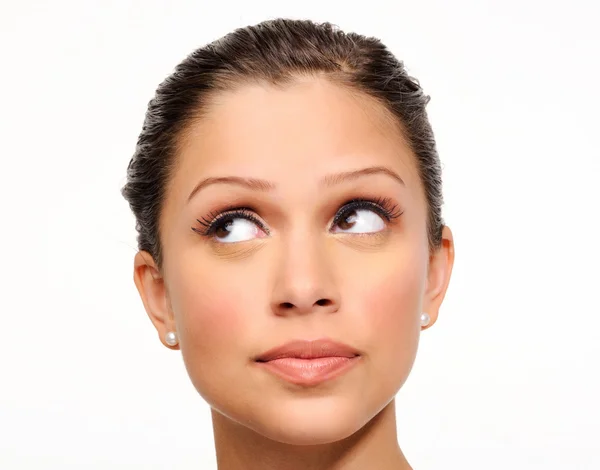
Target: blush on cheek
391	306
388	322
394	295
211	320
215	320
390	315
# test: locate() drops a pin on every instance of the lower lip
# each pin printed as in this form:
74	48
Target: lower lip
309	372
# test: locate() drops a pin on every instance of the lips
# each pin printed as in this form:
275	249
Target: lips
309	363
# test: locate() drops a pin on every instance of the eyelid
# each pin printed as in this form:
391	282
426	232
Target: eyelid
231	213
382	206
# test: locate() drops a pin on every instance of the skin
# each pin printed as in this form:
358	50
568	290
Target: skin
304	279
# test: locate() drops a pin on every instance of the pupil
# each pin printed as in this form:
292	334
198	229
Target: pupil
223	230
349	221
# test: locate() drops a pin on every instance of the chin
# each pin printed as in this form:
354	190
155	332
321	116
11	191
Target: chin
309	420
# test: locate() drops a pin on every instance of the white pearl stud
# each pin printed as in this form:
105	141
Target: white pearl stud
425	319
171	338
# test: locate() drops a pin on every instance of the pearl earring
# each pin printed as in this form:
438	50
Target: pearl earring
171	338
425	319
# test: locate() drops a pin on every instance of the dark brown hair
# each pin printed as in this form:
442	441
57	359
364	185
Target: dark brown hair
275	51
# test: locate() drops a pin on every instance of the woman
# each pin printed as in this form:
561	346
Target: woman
287	192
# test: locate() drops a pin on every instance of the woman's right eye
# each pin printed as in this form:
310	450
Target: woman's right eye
231	227
236	229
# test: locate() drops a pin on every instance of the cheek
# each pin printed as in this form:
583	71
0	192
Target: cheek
209	319
212	320
390	308
390	292
396	299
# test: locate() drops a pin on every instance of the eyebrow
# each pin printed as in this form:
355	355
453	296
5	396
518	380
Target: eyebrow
332	180
256	184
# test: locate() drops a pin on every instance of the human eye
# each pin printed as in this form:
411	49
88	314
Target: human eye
232	226
365	216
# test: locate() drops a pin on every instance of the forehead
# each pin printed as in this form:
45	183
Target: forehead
292	135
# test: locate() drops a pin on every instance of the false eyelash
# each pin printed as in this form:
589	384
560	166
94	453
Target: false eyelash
213	220
383	206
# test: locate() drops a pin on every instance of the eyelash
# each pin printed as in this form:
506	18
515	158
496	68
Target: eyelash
382	206
212	222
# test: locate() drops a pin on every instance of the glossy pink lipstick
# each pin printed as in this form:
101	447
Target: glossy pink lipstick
309	363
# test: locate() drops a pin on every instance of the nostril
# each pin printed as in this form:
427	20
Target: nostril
290	306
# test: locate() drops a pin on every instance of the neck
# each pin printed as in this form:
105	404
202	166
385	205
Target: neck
373	446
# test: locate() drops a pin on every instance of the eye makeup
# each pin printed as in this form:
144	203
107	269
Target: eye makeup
216	222
383	207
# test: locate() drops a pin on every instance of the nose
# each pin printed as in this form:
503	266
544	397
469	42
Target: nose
304	280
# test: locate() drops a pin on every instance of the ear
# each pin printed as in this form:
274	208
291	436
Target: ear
438	276
151	287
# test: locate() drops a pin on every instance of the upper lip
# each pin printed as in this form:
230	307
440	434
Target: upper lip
303	349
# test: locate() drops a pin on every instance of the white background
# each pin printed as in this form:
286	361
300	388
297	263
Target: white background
508	377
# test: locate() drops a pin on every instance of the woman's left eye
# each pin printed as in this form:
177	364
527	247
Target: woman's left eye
359	221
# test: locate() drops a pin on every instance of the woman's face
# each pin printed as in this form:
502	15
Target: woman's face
298	260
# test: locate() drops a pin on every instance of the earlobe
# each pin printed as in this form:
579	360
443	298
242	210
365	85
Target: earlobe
151	287
440	269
